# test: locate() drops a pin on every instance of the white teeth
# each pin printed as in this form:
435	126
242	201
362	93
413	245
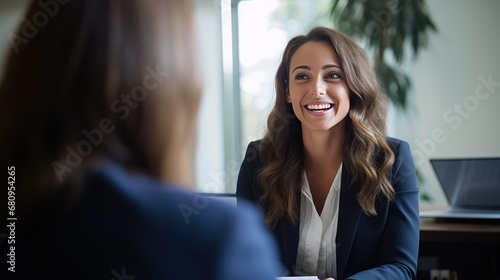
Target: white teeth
319	107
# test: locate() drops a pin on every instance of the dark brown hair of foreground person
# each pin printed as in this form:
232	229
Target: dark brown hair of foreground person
138	101
367	155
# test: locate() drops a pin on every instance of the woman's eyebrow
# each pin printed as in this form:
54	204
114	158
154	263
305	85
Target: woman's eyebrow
323	68
301	67
331	66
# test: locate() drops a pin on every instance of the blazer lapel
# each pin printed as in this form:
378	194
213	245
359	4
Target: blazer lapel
349	214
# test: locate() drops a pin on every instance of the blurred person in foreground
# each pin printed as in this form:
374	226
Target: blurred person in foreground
98	120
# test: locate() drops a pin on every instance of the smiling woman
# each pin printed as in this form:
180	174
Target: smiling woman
339	195
317	91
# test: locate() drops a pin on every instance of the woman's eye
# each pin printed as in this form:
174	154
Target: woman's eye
332	76
301	77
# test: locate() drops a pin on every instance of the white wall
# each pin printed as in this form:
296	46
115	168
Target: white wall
448	75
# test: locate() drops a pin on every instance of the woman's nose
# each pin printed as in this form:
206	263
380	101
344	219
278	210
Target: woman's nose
318	87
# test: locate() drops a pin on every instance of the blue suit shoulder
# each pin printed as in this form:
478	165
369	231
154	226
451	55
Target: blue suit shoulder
403	169
227	241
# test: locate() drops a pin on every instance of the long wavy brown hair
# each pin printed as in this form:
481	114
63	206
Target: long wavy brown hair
122	71
367	155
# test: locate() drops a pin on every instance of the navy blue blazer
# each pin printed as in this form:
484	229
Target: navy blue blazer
368	247
132	226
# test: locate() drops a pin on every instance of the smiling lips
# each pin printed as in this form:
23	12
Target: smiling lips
319	107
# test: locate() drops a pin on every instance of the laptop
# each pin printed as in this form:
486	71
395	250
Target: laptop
471	186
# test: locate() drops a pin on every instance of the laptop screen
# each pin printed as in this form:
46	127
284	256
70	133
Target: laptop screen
470	183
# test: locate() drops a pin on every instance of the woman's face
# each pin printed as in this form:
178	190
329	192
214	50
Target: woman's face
317	87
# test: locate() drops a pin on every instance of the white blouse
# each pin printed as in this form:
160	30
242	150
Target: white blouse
316	252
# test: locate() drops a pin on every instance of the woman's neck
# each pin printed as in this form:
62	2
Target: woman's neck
323	152
324	149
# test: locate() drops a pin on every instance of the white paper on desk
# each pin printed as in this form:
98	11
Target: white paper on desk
298	278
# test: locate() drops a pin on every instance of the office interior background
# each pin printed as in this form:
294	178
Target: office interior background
454	101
